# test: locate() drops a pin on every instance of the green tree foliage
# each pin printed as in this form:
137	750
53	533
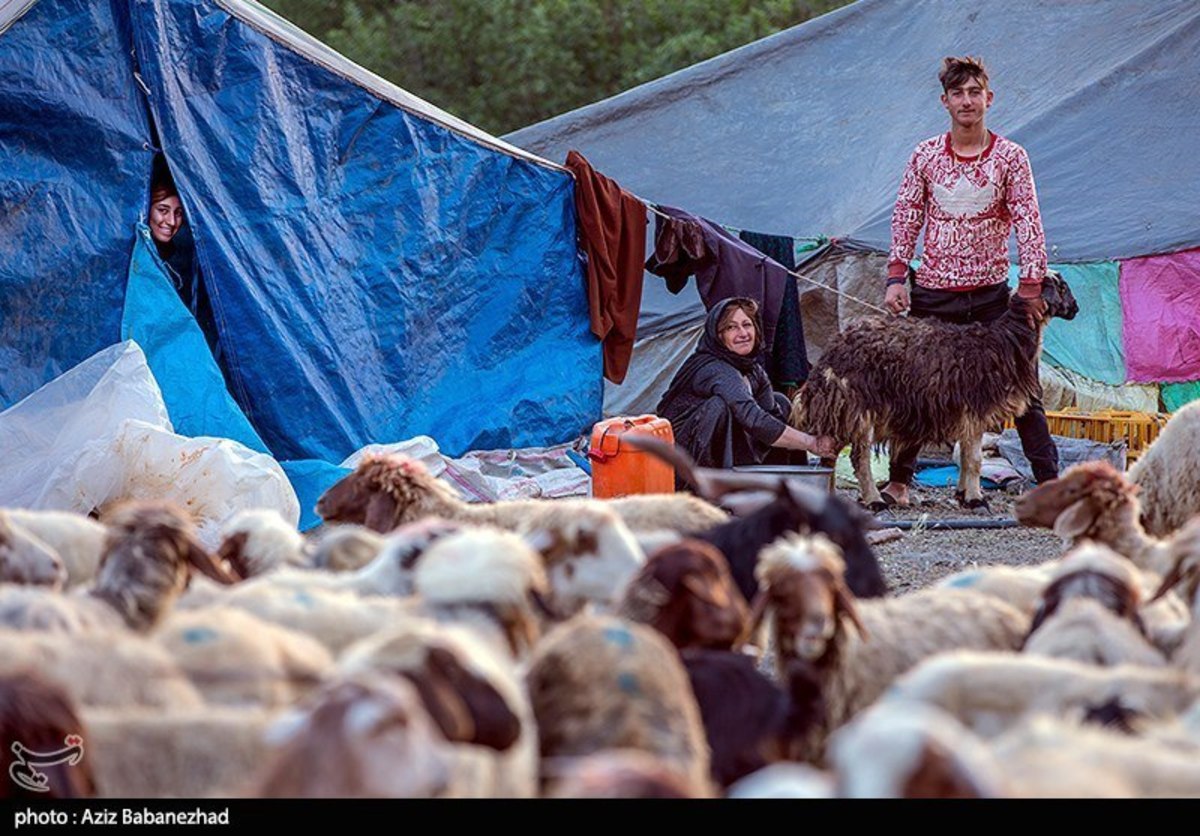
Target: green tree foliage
504	64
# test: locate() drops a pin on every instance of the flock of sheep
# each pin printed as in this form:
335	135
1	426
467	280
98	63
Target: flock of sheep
418	646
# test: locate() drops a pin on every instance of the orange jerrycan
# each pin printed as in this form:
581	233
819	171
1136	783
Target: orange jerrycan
620	470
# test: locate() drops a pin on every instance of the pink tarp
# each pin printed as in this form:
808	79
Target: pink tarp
1161	299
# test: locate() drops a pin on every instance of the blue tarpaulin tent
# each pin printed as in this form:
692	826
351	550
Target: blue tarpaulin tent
378	268
806	133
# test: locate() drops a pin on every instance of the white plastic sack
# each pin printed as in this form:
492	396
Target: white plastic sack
99	434
43	433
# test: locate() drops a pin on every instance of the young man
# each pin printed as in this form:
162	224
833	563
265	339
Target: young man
969	188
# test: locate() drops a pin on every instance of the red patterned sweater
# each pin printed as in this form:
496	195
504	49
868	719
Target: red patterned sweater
968	206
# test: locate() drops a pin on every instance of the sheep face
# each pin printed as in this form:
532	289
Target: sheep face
385	492
588	562
150	549
1071	503
1060	301
686	592
26	560
806	610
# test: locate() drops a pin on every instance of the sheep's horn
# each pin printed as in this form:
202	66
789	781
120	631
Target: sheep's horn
1173	577
673	456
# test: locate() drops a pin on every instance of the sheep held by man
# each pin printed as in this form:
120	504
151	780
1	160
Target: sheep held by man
913	381
804	594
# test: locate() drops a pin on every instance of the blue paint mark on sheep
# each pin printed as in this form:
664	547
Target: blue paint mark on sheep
619	636
199	635
628	684
303	599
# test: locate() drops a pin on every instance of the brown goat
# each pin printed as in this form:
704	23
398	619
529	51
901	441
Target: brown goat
685	591
913	381
38	718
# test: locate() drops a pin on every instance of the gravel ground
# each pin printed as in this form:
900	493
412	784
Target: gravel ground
919	558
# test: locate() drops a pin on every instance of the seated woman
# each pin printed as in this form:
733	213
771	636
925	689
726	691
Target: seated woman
720	403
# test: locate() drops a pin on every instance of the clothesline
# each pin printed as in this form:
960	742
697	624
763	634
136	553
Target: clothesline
651	207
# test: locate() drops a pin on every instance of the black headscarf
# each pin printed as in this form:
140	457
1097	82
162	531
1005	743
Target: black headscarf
711	350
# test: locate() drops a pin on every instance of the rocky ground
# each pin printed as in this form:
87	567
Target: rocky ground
920	557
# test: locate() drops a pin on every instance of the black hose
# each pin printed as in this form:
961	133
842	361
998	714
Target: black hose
950	525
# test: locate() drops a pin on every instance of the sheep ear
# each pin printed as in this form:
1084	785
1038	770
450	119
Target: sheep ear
199	557
1075	520
232	551
493	722
844	602
757	610
443	702
381	513
710	594
540	540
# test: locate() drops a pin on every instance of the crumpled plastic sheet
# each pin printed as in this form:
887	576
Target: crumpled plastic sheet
99	433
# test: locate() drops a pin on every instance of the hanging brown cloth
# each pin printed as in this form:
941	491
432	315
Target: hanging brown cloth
612	230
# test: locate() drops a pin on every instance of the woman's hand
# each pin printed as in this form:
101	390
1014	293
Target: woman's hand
824	446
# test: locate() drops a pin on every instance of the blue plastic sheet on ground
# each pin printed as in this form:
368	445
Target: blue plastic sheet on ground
945	476
1178	395
373	274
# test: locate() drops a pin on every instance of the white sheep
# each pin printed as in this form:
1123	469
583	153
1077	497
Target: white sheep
489	581
207	752
991	692
1166	474
77	540
115	669
1090	611
598	682
805	597
258	540
342	548
1185	570
150	552
236	659
364	737
1081	759
26	560
473	694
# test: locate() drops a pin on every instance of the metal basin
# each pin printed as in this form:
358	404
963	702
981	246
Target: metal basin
814	476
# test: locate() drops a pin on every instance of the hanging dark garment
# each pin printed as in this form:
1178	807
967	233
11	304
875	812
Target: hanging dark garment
612	228
788	364
724	266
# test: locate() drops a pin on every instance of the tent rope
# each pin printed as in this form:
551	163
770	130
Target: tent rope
850	297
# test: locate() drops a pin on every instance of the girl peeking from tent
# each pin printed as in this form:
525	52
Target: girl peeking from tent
177	251
720	403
